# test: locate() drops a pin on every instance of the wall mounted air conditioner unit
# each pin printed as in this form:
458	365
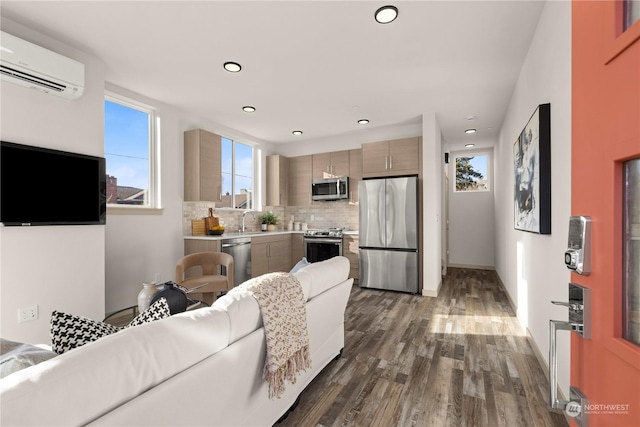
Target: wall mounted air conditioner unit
30	65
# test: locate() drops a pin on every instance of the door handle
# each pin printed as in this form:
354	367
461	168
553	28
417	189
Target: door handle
554	326
390	162
579	306
572	306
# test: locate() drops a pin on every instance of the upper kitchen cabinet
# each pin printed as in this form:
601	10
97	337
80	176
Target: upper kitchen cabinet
277	180
300	180
391	158
329	165
355	174
202	166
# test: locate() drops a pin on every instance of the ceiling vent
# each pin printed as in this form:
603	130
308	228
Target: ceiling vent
27	64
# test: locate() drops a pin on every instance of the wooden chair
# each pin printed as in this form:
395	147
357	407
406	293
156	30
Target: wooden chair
205	269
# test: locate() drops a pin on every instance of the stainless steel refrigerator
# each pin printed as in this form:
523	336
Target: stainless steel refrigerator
388	232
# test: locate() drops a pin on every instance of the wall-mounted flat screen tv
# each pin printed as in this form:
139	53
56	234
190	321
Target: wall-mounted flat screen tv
41	186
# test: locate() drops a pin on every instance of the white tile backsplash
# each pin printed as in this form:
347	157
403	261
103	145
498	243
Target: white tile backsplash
317	215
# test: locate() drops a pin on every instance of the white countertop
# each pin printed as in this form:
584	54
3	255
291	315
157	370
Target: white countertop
235	235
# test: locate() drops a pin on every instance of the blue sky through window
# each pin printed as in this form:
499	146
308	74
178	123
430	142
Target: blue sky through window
479	164
126	142
243	166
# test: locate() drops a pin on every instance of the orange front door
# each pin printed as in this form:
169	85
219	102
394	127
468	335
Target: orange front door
605	139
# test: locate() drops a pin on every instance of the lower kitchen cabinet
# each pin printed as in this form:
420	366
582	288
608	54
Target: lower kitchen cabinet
297	248
350	250
270	254
192	246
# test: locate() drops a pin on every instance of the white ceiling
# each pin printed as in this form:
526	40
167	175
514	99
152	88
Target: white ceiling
316	66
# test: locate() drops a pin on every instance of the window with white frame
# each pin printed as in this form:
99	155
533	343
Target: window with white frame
237	175
472	172
130	145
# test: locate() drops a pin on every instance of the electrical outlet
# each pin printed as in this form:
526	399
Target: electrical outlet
27	313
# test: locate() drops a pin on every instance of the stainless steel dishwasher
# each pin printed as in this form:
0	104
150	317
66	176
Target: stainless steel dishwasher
240	249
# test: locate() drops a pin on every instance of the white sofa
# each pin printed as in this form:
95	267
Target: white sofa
202	367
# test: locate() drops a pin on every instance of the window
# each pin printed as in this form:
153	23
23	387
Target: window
631	251
472	173
631	13
237	175
130	147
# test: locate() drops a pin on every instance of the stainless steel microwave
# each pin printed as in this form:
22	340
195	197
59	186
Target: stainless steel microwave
330	188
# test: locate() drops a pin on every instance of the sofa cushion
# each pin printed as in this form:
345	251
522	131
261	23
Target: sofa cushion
243	311
323	275
69	331
76	387
15	356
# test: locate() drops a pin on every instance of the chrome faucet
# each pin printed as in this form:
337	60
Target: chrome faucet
244	213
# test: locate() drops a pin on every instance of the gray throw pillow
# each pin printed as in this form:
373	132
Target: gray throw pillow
15	356
300	265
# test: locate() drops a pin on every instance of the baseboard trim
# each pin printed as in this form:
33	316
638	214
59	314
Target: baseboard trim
534	346
473	267
430	293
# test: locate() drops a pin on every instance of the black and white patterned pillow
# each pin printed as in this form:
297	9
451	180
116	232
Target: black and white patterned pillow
156	311
69	331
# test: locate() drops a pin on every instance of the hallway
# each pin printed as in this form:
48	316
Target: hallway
457	360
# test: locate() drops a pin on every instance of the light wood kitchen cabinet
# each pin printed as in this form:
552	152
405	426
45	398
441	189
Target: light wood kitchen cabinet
391	158
355	174
277	180
300	180
350	251
329	165
202	166
270	254
192	246
297	248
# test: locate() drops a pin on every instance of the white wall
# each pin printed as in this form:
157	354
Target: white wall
89	270
54	267
139	247
432	172
530	265
471	217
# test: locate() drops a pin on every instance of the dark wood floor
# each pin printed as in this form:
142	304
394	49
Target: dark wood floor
456	360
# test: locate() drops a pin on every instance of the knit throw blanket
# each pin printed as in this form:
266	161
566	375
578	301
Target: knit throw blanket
284	317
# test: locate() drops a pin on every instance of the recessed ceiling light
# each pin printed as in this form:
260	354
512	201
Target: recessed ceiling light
232	67
386	14
248	109
297	132
363	122
470	131
470	145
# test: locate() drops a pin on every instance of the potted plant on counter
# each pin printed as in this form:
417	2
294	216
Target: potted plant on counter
269	221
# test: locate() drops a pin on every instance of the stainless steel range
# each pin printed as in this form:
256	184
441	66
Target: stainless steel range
322	244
